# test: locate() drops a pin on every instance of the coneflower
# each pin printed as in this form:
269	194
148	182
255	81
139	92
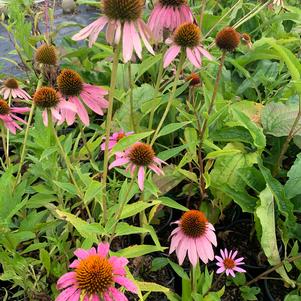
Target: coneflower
193	236
73	89
187	38
122	19
46	55
168	15
11	87
227	39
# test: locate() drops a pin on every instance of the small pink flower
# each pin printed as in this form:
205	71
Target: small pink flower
168	15
123	21
186	38
95	276
11	87
227	263
8	116
139	156
195	236
73	89
115	138
47	98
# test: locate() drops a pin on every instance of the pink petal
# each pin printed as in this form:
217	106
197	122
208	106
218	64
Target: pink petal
128	284
119	162
117	295
141	176
136	40
170	54
69	294
220	270
127	44
66	280
81	253
74	264
81	111
103	249
192	58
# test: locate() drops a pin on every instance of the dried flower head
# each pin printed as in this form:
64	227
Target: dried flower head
11	83
123	10
187	35
227	39
193	79
4	107
246	38
46	97
46	54
69	82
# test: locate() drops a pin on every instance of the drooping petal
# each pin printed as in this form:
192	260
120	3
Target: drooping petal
127	44
66	280
141	176
128	284
170	54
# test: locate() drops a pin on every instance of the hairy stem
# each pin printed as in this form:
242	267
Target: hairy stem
108	131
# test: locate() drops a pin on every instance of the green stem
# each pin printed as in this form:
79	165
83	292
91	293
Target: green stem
23	153
108	131
212	102
8	133
131	98
171	96
193	279
67	161
86	144
120	209
4	143
202	13
157	88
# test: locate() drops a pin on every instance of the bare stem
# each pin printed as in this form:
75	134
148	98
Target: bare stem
8	133
202	13
4	142
131	97
274	268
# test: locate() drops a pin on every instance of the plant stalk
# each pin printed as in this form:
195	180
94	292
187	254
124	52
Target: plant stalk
131	98
108	131
171	96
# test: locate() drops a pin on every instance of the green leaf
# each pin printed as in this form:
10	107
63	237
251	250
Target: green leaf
126	229
139	250
66	186
179	270
170	153
147	64
172	204
292	186
172	127
277	119
86	230
45	259
133	209
128	141
223	152
92	191
255	131
266	215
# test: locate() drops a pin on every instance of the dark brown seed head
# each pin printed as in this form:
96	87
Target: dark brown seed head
174	3
187	35
46	54
11	83
46	97
70	83
194	223
193	79
123	10
227	39
141	154
4	107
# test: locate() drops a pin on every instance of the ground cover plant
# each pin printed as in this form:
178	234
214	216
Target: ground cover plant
151	151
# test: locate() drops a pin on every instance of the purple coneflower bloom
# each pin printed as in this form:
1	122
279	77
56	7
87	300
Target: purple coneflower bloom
227	263
115	138
11	87
95	277
195	236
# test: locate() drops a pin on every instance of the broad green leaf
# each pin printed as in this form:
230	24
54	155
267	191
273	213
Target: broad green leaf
167	154
232	134
172	204
266	214
86	230
293	185
133	209
223	152
277	119
139	250
92	191
45	259
179	270
128	141
126	229
172	127
66	186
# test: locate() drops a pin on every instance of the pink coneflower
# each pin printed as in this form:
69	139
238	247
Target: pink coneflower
11	87
48	99
168	15
139	156
195	236
72	87
187	38
115	138
95	276
8	117
227	263
123	20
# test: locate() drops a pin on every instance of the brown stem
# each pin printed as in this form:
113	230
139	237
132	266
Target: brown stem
287	141
274	268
